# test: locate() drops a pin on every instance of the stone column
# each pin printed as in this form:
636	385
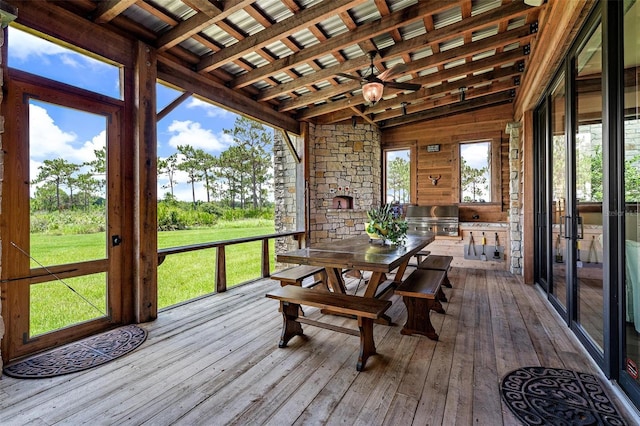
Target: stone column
288	188
515	205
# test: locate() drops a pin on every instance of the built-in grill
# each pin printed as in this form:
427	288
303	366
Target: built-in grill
440	220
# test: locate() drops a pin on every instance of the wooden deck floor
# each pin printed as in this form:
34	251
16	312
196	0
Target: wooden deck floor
216	361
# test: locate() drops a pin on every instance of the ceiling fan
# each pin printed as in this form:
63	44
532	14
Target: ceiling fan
373	85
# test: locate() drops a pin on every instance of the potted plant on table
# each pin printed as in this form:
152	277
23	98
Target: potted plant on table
386	225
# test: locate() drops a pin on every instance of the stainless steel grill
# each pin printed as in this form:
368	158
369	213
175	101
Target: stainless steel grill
441	220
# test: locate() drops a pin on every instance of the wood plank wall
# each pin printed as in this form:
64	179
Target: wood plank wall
487	124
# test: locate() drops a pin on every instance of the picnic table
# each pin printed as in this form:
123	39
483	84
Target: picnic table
362	254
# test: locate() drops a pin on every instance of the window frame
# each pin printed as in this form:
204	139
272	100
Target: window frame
405	146
495	175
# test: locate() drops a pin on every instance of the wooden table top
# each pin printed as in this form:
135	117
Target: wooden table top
357	253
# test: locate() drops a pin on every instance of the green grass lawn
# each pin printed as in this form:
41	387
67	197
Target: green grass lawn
181	276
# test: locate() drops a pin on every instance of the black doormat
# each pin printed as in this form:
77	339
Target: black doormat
551	396
81	355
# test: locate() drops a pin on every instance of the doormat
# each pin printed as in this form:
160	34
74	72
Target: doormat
81	355
551	396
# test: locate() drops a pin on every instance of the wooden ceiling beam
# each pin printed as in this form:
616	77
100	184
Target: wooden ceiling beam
107	10
208	7
483	20
436	78
459	108
515	35
480	21
363	116
473	93
222	96
363	32
197	23
282	29
49	18
258	14
436	96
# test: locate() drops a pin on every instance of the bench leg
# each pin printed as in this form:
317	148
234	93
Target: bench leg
418	320
446	281
436	306
290	327
441	296
367	345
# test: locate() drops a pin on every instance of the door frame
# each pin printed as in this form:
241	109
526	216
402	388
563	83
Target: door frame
17	275
611	361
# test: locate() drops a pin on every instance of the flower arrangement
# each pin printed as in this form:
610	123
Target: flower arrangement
385	224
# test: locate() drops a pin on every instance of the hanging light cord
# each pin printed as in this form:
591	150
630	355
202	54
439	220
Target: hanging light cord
53	274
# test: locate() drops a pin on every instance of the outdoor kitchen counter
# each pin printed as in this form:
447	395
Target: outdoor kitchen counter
457	247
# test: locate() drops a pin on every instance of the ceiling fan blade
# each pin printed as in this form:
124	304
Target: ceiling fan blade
394	70
402	86
352	77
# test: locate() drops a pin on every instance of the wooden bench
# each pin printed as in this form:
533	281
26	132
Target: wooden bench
420	295
438	263
366	310
421	254
297	274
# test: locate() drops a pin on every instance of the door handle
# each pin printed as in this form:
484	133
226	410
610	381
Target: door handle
580	227
568	230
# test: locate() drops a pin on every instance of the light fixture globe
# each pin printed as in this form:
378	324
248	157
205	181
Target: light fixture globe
372	91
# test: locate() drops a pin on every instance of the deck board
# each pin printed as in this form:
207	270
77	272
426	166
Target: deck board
216	361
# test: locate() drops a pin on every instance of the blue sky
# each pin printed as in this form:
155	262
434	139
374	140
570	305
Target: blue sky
59	132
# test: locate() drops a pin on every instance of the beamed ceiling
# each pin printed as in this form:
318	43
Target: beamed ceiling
285	57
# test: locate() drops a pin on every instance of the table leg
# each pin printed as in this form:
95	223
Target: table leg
336	281
400	272
375	280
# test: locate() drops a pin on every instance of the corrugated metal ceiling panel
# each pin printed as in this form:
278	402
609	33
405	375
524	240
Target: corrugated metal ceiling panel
274	9
245	22
447	17
214	32
149	21
176	8
481	6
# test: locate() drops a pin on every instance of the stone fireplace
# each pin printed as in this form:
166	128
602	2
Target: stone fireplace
344	179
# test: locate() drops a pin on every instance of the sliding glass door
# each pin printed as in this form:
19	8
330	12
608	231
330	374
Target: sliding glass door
587	179
557	146
587	189
630	359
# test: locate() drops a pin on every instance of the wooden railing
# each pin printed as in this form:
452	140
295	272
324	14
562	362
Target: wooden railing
221	262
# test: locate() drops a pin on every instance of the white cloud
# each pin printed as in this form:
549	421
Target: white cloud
24	45
70	61
87	152
191	133
210	109
47	140
476	154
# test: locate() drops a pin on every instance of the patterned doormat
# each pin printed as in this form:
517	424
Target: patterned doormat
81	355
551	396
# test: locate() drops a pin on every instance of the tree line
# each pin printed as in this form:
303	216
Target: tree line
238	178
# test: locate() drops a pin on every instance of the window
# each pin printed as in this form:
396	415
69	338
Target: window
39	56
398	172
475	172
